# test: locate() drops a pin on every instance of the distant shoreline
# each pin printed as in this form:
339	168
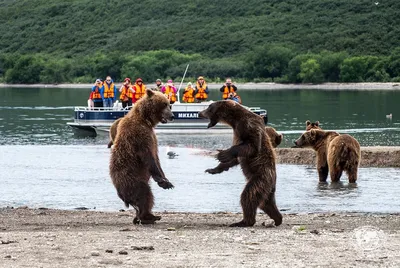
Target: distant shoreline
243	86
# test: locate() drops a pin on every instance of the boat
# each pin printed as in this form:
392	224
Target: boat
90	121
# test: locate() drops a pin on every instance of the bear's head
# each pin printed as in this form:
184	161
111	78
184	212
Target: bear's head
310	125
154	107
226	111
310	138
274	136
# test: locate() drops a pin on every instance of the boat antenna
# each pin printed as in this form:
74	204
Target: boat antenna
177	93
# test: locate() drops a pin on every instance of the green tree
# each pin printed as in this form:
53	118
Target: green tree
310	72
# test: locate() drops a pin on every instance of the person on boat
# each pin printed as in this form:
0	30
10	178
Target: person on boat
169	90
235	97
90	101
159	85
188	94
127	93
140	89
109	92
227	88
97	93
201	90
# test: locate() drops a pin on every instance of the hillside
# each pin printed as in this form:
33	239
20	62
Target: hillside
227	30
213	28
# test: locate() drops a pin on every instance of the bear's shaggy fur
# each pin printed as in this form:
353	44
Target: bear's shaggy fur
251	149
274	136
134	156
310	125
113	132
335	153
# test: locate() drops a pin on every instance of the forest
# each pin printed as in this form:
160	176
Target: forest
311	41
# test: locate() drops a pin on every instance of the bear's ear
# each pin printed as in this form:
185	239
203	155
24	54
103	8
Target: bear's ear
149	93
316	123
308	122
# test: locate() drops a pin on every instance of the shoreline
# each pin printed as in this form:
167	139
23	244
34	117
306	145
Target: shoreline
242	86
60	238
373	156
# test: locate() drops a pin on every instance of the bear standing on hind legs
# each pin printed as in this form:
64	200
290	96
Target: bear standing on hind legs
134	156
335	153
251	149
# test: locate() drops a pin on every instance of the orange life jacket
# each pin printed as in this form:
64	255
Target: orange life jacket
169	92
201	93
108	90
188	95
126	93
140	91
226	92
96	93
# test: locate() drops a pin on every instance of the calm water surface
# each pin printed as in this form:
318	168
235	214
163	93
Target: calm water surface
44	164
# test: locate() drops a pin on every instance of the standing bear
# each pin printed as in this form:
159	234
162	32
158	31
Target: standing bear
335	153
134	156
251	149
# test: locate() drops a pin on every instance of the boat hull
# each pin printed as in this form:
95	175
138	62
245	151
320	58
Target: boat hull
95	121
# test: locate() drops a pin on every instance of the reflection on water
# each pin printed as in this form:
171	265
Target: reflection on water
77	176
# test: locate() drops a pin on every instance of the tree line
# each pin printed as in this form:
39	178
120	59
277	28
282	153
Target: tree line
264	64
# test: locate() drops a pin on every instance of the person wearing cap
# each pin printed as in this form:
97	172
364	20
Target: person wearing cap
127	93
140	89
201	90
159	85
188	94
109	92
97	93
227	89
169	90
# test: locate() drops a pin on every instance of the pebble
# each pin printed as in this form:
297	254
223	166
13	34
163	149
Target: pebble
123	252
109	251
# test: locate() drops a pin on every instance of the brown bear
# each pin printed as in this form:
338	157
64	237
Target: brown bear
251	149
134	156
335	153
314	125
113	132
274	136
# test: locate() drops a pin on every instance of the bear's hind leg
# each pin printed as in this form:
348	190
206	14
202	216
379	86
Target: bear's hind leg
249	200
352	174
270	208
144	203
336	173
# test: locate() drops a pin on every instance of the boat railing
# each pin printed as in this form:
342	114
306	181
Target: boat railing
101	109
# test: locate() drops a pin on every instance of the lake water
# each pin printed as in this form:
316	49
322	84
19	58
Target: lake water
44	165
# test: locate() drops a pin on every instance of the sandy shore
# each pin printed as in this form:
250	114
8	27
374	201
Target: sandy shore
247	86
375	156
57	238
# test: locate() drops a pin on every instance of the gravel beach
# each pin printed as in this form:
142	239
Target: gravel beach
59	238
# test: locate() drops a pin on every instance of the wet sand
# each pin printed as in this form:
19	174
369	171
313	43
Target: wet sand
57	238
